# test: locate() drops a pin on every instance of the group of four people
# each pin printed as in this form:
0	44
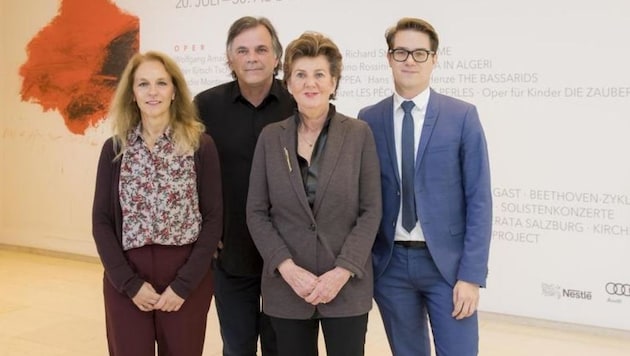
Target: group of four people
285	197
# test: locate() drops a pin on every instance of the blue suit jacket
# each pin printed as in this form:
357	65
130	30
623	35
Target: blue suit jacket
452	187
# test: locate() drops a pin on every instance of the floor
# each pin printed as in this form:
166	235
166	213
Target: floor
52	306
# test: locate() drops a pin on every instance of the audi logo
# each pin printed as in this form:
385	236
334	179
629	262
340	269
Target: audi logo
614	288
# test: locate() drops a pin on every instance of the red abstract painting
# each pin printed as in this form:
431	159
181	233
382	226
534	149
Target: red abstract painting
75	62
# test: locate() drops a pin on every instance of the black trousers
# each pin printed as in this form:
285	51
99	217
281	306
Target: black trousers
343	336
237	299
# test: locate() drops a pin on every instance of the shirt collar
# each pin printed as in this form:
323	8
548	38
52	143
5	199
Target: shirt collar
421	100
136	134
275	91
332	110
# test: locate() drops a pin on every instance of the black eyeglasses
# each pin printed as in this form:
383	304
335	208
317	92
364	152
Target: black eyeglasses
418	55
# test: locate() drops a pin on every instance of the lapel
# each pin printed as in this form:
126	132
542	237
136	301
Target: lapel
388	126
334	143
427	128
289	152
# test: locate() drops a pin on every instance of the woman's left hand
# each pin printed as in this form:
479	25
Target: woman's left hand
169	301
328	286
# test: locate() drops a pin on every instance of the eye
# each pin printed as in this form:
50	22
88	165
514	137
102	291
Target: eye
299	75
262	50
420	55
143	84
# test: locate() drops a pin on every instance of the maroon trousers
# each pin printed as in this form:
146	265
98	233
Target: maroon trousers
132	332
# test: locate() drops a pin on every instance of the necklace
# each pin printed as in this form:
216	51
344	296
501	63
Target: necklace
310	144
302	134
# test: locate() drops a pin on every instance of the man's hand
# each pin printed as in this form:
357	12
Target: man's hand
465	299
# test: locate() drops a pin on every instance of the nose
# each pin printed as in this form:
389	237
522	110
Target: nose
252	56
309	81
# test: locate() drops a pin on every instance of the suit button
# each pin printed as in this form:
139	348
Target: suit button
398	192
312	227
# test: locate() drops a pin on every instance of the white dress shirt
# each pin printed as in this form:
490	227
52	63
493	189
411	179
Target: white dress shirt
418	112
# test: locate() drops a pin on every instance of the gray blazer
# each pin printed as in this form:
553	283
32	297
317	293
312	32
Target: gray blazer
338	231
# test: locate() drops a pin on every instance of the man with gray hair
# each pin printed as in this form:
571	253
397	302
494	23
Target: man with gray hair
234	114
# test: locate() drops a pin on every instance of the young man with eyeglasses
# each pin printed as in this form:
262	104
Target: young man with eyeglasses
431	252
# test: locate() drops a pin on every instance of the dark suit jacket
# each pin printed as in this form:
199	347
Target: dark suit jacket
338	231
452	187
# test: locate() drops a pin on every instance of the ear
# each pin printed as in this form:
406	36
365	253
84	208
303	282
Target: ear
229	61
390	60
434	57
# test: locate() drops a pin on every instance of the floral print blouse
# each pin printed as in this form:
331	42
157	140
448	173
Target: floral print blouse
158	194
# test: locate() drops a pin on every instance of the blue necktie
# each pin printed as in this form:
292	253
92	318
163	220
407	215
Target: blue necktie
407	171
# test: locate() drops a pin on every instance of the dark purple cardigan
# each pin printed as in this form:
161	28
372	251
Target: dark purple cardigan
107	222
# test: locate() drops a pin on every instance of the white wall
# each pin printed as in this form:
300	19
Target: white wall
3	104
559	159
47	172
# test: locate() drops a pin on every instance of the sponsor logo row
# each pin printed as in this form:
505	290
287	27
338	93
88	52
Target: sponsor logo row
615	290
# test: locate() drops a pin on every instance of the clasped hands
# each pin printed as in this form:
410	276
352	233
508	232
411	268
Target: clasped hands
314	289
147	299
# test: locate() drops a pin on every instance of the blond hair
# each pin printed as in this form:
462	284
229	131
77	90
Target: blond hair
184	121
